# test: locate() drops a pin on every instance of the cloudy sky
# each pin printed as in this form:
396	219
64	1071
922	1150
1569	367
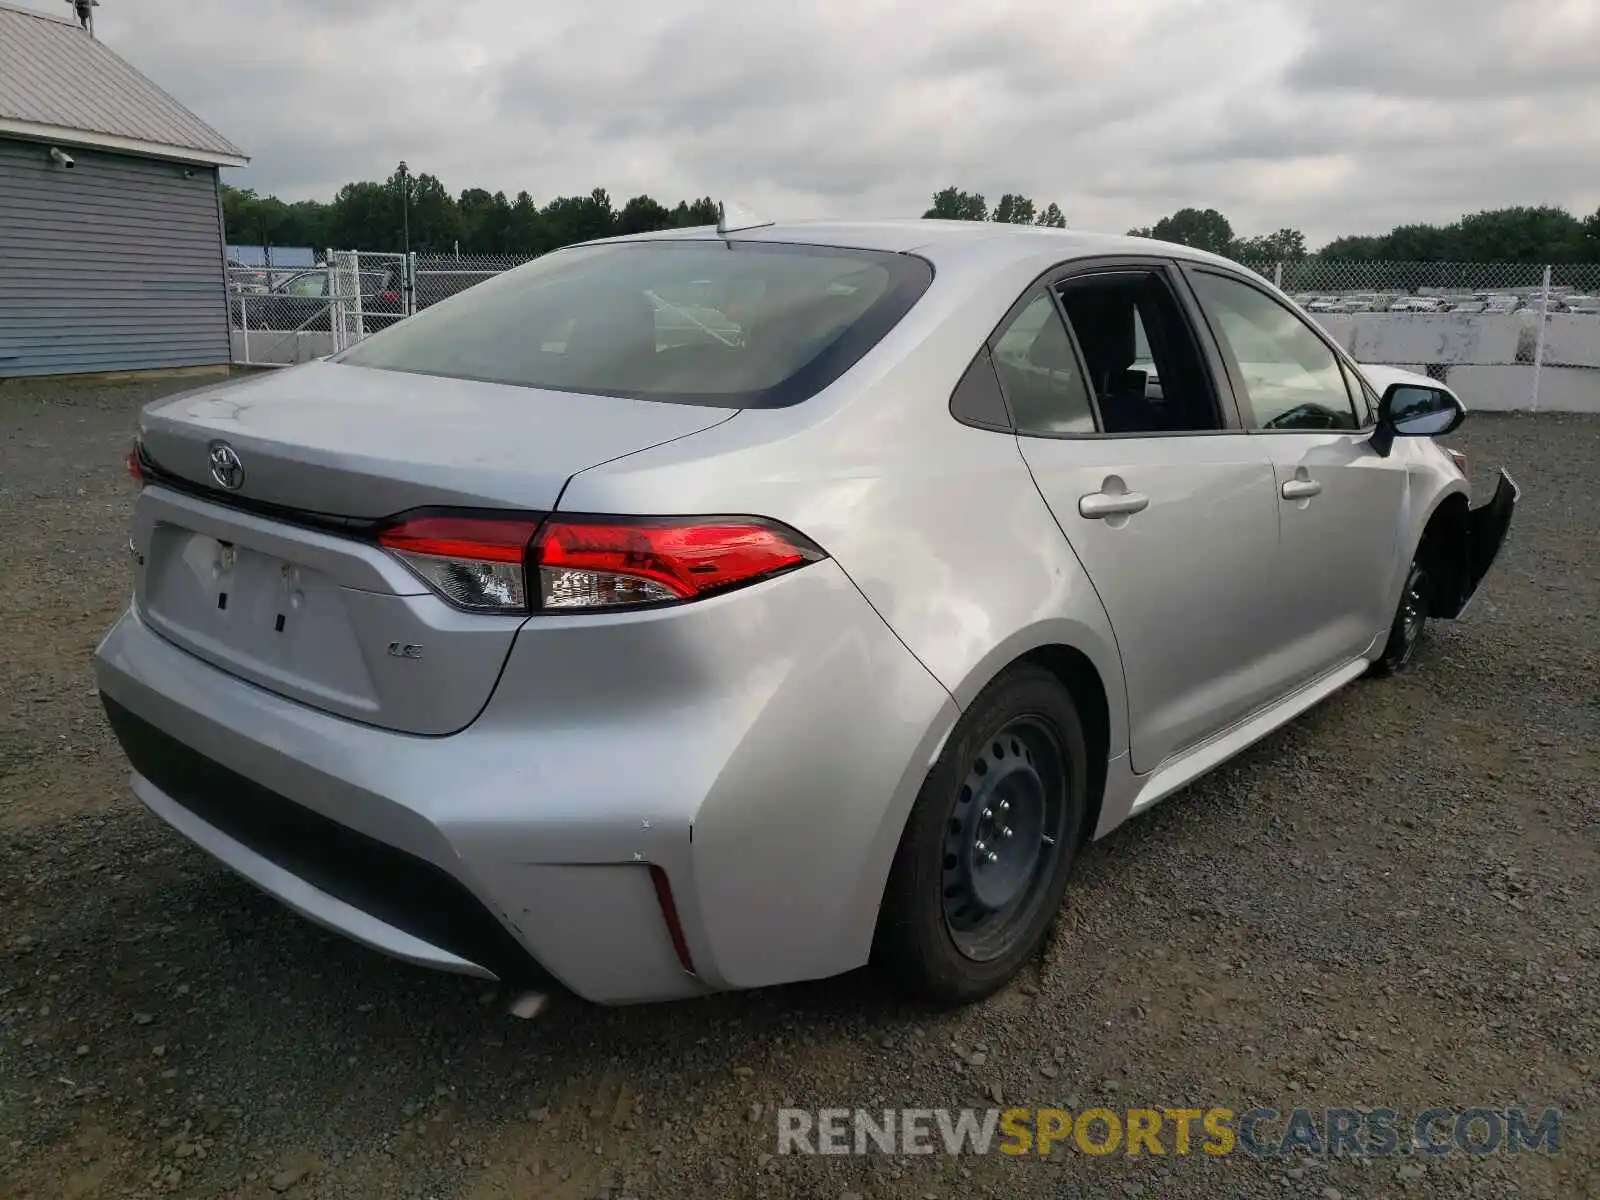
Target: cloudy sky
1334	116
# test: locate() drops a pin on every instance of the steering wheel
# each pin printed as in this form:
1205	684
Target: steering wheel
1305	416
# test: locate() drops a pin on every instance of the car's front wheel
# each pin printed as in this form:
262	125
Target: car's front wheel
1410	622
985	856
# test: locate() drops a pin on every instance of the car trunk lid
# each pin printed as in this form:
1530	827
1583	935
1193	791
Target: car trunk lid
359	442
279	580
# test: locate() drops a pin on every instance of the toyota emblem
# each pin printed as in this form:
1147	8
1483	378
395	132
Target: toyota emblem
226	468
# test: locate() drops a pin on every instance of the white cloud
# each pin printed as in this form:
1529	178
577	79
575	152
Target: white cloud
1335	116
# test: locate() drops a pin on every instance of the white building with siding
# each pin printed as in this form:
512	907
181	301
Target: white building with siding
112	253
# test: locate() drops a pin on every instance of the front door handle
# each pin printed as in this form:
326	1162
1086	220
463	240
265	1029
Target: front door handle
1301	489
1099	505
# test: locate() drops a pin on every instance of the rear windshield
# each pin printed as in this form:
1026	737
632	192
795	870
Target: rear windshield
732	324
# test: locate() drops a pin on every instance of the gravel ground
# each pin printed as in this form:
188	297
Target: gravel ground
1392	902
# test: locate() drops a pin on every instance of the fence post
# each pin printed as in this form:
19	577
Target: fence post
1538	343
411	284
1277	275
244	321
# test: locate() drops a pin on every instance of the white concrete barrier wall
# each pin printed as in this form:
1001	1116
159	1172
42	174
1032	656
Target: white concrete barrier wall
1487	358
278	347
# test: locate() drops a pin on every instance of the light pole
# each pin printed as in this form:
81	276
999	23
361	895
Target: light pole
405	205
408	301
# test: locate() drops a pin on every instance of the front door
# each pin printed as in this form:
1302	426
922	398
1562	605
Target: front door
1339	502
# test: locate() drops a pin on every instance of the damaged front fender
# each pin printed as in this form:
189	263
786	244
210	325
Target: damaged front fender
1469	554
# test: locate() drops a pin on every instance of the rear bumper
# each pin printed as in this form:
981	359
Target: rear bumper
765	762
371	892
1485	532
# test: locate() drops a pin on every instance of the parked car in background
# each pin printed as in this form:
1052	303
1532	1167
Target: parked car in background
304	300
1417	304
524	641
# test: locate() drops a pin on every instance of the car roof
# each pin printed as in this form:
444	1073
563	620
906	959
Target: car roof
994	243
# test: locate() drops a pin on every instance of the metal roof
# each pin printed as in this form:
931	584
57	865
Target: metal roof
994	242
59	84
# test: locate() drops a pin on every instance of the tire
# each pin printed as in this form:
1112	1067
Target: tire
1410	622
985	856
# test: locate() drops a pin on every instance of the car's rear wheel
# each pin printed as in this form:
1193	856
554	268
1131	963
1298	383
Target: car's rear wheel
1410	622
985	856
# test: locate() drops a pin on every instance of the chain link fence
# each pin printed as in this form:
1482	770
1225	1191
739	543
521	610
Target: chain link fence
1419	287
279	316
440	276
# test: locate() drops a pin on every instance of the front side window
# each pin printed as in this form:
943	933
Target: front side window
1361	391
693	321
1292	379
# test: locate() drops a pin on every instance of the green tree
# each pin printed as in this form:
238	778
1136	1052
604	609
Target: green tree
1286	245
251	219
1052	217
642	215
1521	234
435	225
528	234
1355	248
688	215
1524	234
1204	229
484	222
1014	210
1591	237
952	204
572	219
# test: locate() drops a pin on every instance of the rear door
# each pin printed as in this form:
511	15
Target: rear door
1339	502
1168	504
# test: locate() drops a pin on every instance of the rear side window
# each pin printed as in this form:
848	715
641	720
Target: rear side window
1039	372
731	324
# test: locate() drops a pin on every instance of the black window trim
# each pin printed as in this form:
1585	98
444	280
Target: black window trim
1235	376
1211	362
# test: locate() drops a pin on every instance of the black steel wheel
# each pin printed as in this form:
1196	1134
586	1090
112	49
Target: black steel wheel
1005	832
1410	622
985	856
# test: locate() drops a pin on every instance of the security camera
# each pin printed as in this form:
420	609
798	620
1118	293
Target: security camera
60	157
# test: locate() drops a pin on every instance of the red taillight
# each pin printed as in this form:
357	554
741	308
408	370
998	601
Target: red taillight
389	297
134	467
527	563
599	562
490	539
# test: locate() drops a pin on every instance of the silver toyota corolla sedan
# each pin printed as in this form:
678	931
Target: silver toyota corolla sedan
724	607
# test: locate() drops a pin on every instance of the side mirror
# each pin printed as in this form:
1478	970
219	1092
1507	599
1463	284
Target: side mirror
1414	410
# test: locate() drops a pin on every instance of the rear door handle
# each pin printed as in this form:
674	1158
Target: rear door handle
1099	505
1301	489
